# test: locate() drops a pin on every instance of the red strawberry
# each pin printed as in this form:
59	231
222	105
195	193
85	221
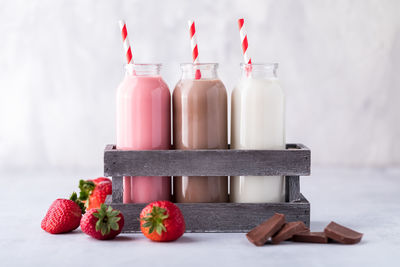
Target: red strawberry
162	221
63	216
104	223
94	192
100	179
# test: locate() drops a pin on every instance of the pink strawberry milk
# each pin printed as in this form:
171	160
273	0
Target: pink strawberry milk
144	123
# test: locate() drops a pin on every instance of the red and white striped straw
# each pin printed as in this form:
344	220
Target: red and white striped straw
195	50
243	39
125	40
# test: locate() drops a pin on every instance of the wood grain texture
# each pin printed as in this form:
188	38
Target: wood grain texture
214	217
292	187
117	189
222	217
293	161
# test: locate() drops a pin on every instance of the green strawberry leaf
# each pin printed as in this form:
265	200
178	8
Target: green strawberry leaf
155	220
114	226
107	219
151	229
74	198
148	224
86	188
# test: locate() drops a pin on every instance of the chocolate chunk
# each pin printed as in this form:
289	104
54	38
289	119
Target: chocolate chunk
261	233
342	234
288	230
310	237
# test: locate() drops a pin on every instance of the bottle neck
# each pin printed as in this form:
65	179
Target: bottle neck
143	69
259	71
199	71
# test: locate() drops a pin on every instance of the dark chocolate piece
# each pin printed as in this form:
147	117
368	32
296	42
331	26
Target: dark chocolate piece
261	233
288	230
310	237
342	234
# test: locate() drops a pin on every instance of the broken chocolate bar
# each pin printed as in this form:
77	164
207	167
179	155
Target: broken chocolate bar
288	230
261	233
310	237
342	234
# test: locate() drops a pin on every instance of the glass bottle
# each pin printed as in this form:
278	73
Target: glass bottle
257	122
144	123
200	122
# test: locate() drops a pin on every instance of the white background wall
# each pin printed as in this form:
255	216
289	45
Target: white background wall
61	61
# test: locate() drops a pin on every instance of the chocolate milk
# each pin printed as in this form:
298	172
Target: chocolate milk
200	122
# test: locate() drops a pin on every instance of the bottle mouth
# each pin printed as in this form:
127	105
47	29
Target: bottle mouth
204	67
143	69
259	70
260	65
199	71
199	66
144	64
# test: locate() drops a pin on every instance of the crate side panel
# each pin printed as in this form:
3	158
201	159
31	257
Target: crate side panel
290	162
223	217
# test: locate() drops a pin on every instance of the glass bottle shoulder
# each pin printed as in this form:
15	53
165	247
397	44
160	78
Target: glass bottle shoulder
188	86
258	84
133	83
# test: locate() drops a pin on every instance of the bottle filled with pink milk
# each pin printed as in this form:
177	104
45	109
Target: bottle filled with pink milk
144	123
257	122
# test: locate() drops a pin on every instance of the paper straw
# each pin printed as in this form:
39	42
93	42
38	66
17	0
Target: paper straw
125	40
243	39
195	51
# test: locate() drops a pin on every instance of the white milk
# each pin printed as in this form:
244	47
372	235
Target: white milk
258	122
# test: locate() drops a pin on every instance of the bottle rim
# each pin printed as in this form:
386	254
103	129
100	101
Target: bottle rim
199	64
143	69
145	64
266	65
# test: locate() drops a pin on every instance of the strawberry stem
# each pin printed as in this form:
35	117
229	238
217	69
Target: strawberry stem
74	198
155	220
107	219
86	188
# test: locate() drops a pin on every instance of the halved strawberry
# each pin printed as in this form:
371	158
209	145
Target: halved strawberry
94	192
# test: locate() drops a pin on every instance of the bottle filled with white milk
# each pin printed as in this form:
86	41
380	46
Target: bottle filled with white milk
258	122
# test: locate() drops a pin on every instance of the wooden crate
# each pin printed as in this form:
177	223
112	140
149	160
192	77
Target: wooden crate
292	162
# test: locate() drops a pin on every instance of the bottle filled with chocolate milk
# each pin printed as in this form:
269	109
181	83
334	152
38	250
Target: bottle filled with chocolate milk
200	122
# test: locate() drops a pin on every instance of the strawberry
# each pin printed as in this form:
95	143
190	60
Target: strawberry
104	223
162	221
94	192
63	215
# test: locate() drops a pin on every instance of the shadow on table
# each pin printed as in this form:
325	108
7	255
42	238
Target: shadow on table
75	232
185	239
123	238
128	238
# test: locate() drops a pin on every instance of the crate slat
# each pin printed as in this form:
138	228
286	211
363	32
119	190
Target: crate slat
293	161
117	189
222	217
292	188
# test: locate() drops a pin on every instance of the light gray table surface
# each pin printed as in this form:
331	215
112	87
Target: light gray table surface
367	200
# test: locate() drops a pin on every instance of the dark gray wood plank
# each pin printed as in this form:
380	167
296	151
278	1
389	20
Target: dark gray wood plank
292	187
293	161
222	217
117	189
109	147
